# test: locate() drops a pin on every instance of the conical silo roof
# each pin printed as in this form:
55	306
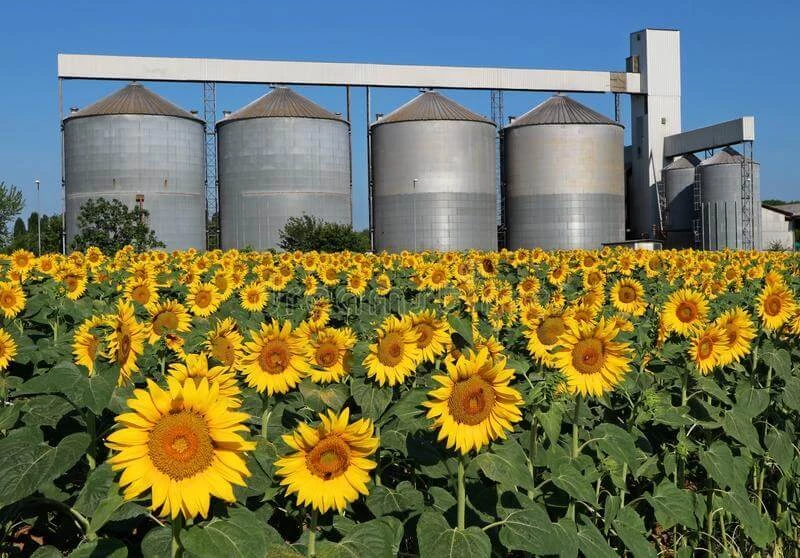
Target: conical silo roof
134	98
689	161
560	109
431	105
281	102
726	156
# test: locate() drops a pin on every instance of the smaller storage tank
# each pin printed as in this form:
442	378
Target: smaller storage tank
721	199
564	177
281	156
433	164
679	182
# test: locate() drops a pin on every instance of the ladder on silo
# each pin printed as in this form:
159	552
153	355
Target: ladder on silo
697	222
748	217
496	98
661	197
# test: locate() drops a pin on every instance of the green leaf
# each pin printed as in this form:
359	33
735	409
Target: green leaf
438	540
778	359
708	385
567	533
592	543
780	447
672	506
756	526
320	398
462	326
443	500
95	489
240	535
107	548
617	443
47	552
408	411
791	394
45	410
157	542
505	464
530	530
750	402
727	471
106	509
26	465
630	528
372	398
372	538
570	480
551	422
741	428
383	500
66	378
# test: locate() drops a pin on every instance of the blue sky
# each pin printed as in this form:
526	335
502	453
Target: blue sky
737	59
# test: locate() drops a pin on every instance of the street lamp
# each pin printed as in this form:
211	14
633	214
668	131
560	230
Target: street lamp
38	220
414	202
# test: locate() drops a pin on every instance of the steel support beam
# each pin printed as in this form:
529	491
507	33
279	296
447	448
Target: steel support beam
144	68
711	137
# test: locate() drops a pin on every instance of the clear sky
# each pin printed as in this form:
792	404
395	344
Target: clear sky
738	58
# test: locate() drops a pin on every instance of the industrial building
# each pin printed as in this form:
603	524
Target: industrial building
780	225
280	156
439	175
433	175
140	149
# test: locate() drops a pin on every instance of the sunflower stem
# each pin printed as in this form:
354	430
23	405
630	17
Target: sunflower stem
312	534
91	427
177	526
462	494
378	456
534	449
576	449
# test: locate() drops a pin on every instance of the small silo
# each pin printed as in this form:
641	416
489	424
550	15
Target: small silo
138	148
679	182
721	198
281	156
564	177
433	168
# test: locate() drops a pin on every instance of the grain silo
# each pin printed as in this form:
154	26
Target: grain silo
281	156
679	183
721	197
433	168
564	177
138	148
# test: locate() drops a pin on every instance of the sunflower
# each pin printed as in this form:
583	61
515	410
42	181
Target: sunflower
224	343
203	299
74	280
329	467
22	261
169	316
320	312
196	367
184	445
86	344
327	351
592	361
273	361
740	331
12	299
224	284
474	404
685	312
254	296
356	283
433	334
775	305
395	354
709	348
543	336
383	284
126	340
627	295
141	290
8	349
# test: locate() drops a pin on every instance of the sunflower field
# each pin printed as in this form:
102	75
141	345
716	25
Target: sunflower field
244	404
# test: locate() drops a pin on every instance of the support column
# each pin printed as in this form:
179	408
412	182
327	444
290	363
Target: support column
654	115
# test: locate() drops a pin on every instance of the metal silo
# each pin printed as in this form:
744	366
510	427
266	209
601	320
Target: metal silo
433	168
721	199
138	148
679	182
564	177
281	156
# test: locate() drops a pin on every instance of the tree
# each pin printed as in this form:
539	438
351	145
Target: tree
111	225
309	233
29	240
19	229
11	205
